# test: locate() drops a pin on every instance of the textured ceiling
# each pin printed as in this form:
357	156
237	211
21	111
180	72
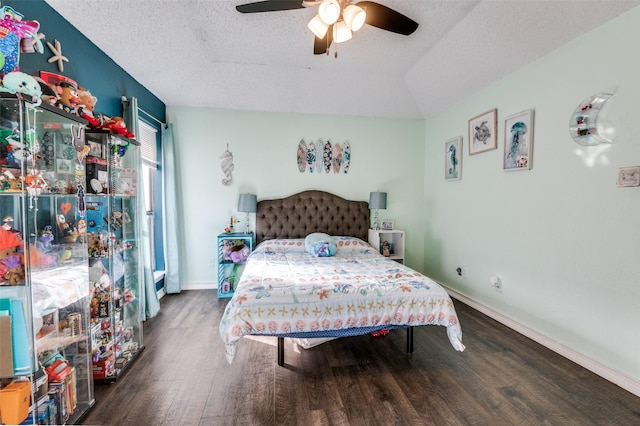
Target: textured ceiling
204	53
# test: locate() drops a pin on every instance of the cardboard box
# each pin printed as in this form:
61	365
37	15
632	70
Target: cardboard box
104	367
6	343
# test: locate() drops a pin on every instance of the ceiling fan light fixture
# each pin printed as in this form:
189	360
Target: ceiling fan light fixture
318	27
329	11
341	32
354	16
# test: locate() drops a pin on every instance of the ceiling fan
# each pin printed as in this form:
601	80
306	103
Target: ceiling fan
336	19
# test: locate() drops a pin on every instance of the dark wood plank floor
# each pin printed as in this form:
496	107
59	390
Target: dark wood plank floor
503	378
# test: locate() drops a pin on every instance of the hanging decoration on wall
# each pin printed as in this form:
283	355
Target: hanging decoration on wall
336	158
583	125
227	166
57	55
302	156
321	156
326	157
346	157
311	157
319	148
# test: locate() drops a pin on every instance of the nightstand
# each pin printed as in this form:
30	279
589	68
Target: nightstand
390	243
233	250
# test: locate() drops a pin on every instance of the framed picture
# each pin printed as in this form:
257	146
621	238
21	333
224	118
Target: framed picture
64	166
387	225
482	132
453	159
518	141
95	149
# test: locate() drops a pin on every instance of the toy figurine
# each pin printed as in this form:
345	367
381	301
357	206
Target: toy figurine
67	97
86	106
45	240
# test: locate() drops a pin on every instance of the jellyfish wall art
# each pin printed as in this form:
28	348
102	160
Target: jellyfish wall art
518	141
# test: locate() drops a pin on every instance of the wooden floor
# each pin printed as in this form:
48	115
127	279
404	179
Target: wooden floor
502	378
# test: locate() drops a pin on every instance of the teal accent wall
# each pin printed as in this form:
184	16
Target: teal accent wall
89	66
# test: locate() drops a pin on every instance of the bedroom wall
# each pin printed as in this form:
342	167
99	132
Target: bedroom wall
386	155
562	237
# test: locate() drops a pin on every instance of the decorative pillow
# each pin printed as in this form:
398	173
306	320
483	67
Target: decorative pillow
320	245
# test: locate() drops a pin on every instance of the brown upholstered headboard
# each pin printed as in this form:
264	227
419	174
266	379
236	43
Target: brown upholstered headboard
300	214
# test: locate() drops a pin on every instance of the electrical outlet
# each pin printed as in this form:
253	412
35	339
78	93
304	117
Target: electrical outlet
459	270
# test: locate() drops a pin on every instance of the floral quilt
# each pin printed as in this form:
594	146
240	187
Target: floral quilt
286	291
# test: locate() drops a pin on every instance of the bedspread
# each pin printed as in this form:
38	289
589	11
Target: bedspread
285	291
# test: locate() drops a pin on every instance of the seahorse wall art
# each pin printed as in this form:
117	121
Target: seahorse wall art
227	166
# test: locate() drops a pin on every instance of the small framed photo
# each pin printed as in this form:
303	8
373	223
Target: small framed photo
95	149
64	166
453	159
387	225
482	132
518	141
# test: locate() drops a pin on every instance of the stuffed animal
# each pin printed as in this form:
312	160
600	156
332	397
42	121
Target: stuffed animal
86	106
117	126
239	255
17	82
11	260
12	31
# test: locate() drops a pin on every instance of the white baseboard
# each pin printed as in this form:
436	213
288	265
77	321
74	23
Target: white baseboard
204	285
628	383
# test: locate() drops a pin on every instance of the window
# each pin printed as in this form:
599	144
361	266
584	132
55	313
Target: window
148	138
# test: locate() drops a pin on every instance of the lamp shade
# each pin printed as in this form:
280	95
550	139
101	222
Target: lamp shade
329	11
354	16
247	203
377	200
341	32
318	27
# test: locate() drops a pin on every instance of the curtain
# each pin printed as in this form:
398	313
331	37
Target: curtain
148	296
170	213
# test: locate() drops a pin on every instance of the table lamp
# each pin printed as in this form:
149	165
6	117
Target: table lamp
247	203
377	200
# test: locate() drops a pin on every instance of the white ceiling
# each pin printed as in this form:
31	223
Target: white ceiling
204	53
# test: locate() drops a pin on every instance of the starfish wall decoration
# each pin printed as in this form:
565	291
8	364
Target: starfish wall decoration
57	55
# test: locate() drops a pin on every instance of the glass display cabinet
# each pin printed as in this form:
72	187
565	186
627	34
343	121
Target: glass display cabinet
45	346
115	267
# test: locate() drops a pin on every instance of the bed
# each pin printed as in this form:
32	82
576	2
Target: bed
286	291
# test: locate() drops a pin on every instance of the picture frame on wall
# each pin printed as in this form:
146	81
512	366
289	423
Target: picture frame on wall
453	159
518	141
483	132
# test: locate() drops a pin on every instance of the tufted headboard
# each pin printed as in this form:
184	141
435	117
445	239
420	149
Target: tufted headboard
300	214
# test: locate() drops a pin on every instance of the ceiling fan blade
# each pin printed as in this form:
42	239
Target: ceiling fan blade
382	17
270	6
321	45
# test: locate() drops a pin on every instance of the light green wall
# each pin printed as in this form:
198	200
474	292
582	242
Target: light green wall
563	238
386	155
